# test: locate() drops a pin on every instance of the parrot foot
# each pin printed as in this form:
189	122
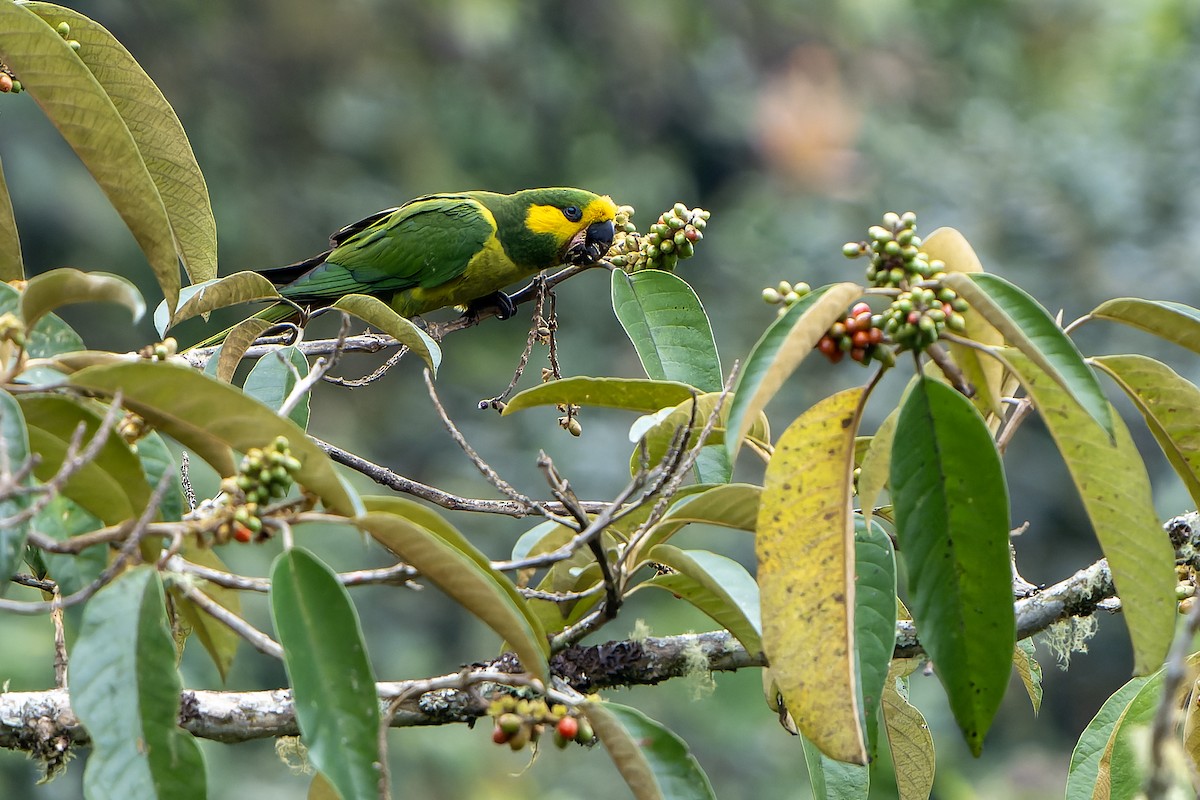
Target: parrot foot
499	301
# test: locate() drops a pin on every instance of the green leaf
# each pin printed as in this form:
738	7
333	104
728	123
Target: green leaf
1026	664
380	315
805	546
76	103
218	640
874	617
668	327
777	354
61	519
658	431
201	298
239	339
14	441
333	687
634	394
834	780
877	463
62	287
274	376
1166	319
113	485
444	556
159	136
1112	482
718	586
1168	402
1030	328
209	417
655	763
11	266
952	522
49	337
909	741
157	461
125	690
730	505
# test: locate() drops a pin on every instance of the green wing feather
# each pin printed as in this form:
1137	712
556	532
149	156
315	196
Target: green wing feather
424	243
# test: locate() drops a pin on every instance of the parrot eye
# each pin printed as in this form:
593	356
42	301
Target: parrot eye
572	213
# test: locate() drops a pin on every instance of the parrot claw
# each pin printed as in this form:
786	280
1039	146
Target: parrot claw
499	301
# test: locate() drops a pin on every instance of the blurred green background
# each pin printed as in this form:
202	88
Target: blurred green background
1062	137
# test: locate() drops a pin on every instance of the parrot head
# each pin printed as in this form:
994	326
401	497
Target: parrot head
579	222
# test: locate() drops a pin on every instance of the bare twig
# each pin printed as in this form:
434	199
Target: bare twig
1175	672
317	371
256	638
535	326
185	479
60	641
380	371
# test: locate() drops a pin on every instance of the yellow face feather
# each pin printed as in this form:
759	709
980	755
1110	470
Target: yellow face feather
550	219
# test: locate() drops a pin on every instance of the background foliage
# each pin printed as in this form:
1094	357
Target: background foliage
1059	137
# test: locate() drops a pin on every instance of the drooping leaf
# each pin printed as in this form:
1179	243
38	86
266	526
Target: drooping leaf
14	450
61	287
984	373
876	464
1168	402
445	557
1112	482
805	545
634	394
11	266
209	417
274	376
874	618
158	134
718	586
201	298
1030	671
239	339
380	315
1166	319
655	763
952	521
834	780
84	114
667	324
61	519
1030	328
658	431
218	640
909	741
111	486
777	354
730	505
125	690
333	686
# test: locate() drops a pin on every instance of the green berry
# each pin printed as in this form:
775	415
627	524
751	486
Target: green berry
74	44
64	29
891	220
852	249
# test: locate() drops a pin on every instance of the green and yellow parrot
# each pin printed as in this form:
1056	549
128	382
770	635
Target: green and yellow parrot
449	250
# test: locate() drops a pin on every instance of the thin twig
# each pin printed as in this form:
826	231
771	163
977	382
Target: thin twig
60	641
316	371
535	324
185	480
256	638
1175	672
355	383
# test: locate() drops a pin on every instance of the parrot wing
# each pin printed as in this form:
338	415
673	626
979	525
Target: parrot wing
423	243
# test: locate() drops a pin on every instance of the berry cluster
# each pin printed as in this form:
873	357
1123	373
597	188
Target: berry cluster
64	30
895	249
519	721
161	351
262	475
859	333
671	238
785	295
916	318
8	83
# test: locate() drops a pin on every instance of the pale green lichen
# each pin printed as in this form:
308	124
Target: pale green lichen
1069	636
294	755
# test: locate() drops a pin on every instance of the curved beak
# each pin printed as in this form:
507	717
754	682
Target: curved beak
590	244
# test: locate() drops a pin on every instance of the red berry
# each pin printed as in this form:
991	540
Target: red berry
241	533
875	336
836	356
6	83
568	727
859	309
827	346
851	324
861	338
498	735
859	354
914	317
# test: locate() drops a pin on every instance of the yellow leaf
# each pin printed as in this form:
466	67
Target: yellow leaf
910	743
805	546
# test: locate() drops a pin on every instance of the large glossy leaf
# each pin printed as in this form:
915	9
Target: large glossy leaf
333	687
874	617
11	266
1030	328
14	448
952	520
444	556
61	519
805	546
634	394
61	287
718	586
201	298
1115	489
113	485
984	373
909	741
49	337
380	315
209	417
158	134
834	780
777	354
274	377
218	640
1169	403
668	327
655	763
1167	319
84	114
125	689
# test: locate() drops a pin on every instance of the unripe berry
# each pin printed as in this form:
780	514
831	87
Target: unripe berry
771	295
64	29
852	249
